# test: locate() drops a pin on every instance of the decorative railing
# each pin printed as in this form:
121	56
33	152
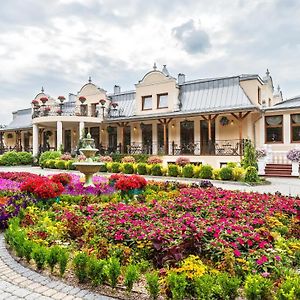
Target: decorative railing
65	109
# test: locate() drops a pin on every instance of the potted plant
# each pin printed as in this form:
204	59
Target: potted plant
261	155
102	102
294	156
35	102
44	100
61	99
82	99
46	111
224	121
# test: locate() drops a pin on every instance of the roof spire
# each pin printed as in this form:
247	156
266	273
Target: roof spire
42	90
154	66
278	88
90	79
268	72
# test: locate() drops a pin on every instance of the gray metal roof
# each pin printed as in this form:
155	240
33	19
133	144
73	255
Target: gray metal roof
223	93
22	120
286	104
126	102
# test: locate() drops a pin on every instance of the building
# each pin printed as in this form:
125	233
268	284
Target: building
207	120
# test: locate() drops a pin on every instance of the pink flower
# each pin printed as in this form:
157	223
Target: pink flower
237	253
262	260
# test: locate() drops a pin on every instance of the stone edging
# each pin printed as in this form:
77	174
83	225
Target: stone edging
18	282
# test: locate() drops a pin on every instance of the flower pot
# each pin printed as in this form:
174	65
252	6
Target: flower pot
261	166
295	168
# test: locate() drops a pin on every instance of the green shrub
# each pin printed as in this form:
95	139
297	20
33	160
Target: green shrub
156	170
205	287
115	167
96	270
114	271
48	155
39	255
197	170
188	171
206	172
25	158
128	168
153	284
232	165
10	159
60	164
69	165
251	175
257	287
226	173
216	174
63	261
50	163
131	276
178	284
229	286
173	170
28	247
249	159
53	256
289	289
80	262
142	168
238	173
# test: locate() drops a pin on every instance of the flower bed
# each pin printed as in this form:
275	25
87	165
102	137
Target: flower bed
182	239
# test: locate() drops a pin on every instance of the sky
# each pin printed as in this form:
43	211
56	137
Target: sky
58	44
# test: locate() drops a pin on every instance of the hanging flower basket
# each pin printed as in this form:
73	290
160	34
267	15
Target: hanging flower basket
35	102
114	104
82	99
44	100
61	99
224	121
102	102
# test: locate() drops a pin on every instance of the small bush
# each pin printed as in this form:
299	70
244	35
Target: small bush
128	168
232	165
257	287
28	247
10	159
142	168
80	266
289	289
66	156
128	159
238	173
39	255
69	165
204	287
156	170
197	170
188	171
251	175
229	286
173	170
105	159
25	158
114	271
206	172
182	161
216	174
115	167
48	155
60	164
178	285
153	285
103	168
63	261
131	276
226	173
53	256
153	160
96	271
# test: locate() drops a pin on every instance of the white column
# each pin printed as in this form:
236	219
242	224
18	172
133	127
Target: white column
59	134
81	129
197	136
154	139
35	140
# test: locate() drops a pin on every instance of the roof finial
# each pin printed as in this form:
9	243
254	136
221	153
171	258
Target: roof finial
278	88
42	90
154	66
268	72
90	79
165	70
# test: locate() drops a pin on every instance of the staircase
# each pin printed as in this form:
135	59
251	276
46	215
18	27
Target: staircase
278	170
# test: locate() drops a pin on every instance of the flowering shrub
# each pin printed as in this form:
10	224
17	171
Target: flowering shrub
294	155
182	161
154	160
105	159
260	153
81	157
62	178
42	187
66	156
128	159
126	183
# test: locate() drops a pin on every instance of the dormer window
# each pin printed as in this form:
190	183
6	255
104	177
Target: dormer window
147	103
162	100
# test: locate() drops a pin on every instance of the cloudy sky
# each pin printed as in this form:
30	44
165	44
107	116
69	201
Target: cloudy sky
58	44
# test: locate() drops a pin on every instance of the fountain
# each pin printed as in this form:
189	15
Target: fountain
88	167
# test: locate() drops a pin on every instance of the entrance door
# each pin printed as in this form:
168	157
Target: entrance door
147	138
67	143
187	137
26	141
206	147
112	139
160	138
94	131
127	138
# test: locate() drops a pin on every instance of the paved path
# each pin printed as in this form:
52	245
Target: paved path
286	186
18	282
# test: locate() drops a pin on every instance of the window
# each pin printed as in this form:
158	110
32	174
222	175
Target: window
146	102
274	129
295	128
162	101
259	95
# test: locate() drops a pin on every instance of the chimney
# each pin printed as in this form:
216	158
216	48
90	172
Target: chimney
181	78
117	89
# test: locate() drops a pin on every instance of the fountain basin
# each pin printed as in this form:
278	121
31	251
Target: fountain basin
88	169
